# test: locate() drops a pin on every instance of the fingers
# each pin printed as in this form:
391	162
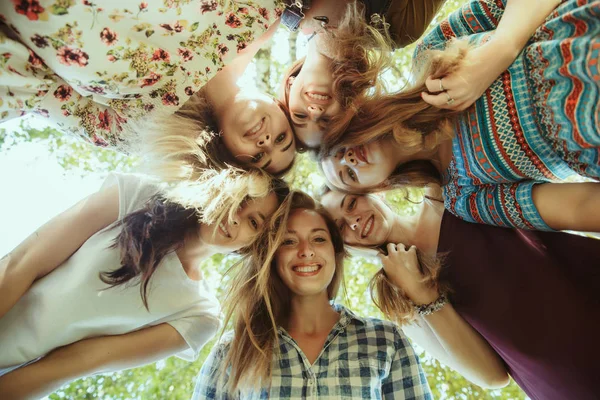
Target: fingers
441	101
435	85
391	248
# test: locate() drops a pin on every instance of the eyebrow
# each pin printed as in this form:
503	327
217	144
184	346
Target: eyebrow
299	125
289	145
262	216
266	165
343	200
342	178
314	230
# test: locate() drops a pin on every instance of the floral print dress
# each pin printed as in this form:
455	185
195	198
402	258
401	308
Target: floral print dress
91	66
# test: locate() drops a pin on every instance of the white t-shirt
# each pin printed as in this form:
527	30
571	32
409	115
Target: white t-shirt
71	303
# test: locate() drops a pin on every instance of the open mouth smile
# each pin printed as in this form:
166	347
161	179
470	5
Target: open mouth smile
366	231
307	270
223	230
255	130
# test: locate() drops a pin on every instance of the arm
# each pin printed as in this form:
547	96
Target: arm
209	385
483	65
91	356
445	333
406	374
53	243
569	206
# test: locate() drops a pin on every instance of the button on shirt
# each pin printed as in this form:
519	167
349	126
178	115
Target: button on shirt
363	358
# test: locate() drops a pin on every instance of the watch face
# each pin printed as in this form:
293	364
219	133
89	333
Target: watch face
291	19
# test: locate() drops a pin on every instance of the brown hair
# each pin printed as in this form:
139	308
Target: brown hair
389	298
413	123
160	227
358	53
258	301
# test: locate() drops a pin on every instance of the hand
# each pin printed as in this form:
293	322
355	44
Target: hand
476	73
402	267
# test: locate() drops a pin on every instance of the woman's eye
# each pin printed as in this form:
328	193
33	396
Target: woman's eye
320	240
287	242
254	223
352	204
256	159
351	174
341	226
280	138
299	116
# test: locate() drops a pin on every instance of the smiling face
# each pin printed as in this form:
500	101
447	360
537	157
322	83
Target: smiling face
257	132
361	167
311	99
364	220
232	236
305	261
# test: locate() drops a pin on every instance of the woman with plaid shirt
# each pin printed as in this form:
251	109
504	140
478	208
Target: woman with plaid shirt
289	340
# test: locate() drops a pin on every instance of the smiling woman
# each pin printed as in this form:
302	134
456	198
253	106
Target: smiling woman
290	341
128	257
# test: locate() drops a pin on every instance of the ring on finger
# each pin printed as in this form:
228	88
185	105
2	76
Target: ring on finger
442	86
450	99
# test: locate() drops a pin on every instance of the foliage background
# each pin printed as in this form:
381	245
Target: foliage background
174	378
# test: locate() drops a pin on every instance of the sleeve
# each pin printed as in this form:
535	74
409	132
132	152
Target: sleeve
409	19
134	190
209	384
507	205
474	17
196	331
406	379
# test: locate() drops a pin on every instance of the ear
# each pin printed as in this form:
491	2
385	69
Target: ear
290	81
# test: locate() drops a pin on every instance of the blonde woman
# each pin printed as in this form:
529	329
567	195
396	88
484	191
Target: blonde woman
495	302
114	282
290	341
114	71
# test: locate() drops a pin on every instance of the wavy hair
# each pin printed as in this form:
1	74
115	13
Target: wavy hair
258	302
358	53
160	227
414	124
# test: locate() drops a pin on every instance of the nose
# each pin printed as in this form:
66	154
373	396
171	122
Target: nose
315	112
306	250
353	222
264	140
350	157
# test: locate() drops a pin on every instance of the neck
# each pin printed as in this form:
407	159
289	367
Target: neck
421	230
192	253
311	315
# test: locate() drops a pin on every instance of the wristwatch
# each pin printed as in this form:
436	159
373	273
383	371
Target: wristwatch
293	14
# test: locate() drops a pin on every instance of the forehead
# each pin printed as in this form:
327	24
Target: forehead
266	205
281	160
330	170
310	135
303	221
332	201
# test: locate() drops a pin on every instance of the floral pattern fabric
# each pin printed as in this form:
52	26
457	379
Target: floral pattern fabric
90	66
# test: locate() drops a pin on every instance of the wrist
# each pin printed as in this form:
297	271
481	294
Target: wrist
427	309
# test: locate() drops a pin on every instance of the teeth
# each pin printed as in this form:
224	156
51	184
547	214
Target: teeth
223	228
318	96
367	227
309	268
256	128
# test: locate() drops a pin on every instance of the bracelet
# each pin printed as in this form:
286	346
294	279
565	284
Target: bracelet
426	309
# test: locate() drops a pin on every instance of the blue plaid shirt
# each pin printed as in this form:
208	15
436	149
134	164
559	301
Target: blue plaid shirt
363	358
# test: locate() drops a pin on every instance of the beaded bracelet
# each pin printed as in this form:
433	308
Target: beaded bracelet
426	309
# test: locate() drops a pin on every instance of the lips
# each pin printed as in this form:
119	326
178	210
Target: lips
307	269
368	227
318	98
361	153
256	130
223	230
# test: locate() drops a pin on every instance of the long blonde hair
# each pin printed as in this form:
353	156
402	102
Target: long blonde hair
182	146
258	302
414	124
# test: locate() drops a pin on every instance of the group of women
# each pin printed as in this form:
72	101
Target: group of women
503	106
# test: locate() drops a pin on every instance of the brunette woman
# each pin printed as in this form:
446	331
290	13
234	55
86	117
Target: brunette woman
531	295
290	341
114	282
537	123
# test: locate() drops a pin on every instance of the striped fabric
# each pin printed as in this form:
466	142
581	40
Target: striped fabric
538	122
363	358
